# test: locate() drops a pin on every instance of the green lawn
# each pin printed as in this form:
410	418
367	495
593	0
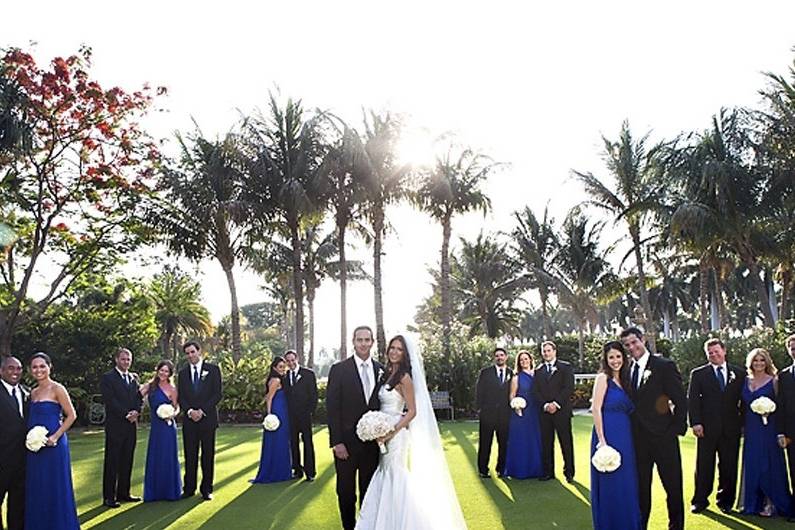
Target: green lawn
487	504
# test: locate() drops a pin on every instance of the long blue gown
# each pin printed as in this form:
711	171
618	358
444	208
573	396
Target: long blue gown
615	503
49	497
764	470
275	463
523	454
162	481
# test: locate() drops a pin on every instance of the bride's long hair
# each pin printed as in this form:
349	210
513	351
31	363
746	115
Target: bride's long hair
393	374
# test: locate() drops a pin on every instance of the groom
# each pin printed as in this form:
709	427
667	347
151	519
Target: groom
352	390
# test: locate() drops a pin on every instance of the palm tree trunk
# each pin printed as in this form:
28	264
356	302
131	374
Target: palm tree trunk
310	301
719	300
666	324
6	332
544	294
378	228
761	292
235	314
651	329
343	289
298	289
703	293
581	345
444	284
786	293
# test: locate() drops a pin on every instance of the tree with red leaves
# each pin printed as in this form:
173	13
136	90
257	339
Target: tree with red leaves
75	166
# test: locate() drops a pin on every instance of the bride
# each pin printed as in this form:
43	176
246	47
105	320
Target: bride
411	488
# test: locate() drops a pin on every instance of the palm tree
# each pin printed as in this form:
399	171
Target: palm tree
535	244
203	212
489	282
637	191
175	296
453	187
287	150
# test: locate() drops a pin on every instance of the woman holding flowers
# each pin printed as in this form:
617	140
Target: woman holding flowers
49	497
162	480
763	487
615	503
275	463
523	459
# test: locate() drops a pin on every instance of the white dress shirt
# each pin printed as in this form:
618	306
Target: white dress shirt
723	373
18	396
642	363
369	364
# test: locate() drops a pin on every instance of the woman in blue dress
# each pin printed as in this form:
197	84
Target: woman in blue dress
615	504
162	481
49	497
763	488
523	455
275	463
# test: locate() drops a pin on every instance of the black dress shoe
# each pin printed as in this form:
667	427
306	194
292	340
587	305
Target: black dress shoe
697	508
207	496
546	477
310	479
110	503
186	495
296	474
570	480
130	498
725	509
484	475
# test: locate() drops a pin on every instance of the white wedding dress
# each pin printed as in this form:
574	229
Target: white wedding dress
412	488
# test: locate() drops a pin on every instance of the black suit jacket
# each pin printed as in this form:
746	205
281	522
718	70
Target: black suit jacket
557	387
205	398
302	395
718	411
119	398
13	430
345	402
659	383
785	413
491	396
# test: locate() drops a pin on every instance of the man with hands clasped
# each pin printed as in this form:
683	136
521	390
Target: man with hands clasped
785	415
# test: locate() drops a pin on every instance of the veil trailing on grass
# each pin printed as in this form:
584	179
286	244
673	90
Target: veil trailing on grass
427	464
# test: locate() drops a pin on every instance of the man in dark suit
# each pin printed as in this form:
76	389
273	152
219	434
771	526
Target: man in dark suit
352	390
199	388
552	389
14	405
494	411
659	419
119	389
715	408
785	415
301	387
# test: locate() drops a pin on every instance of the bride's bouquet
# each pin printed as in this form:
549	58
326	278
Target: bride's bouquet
517	404
166	411
271	422
373	425
606	459
36	438
764	406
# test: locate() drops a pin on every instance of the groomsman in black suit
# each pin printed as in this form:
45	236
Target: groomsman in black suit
659	419
494	411
352	390
553	386
14	405
301	387
785	415
119	389
715	408
199	388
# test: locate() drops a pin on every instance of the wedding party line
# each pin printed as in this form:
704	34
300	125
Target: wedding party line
385	440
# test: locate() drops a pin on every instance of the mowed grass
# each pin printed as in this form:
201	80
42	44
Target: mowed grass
487	504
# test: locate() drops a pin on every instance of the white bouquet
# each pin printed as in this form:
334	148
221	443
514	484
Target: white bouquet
763	406
166	411
373	425
606	459
271	422
517	404
36	438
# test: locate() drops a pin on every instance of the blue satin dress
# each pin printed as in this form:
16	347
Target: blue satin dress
275	463
615	501
162	480
49	497
523	454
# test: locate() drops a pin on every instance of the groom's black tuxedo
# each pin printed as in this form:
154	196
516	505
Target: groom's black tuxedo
656	431
494	413
120	398
345	404
13	429
301	391
719	412
785	413
555	386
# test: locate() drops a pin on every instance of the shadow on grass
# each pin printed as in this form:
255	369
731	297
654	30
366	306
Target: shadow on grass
734	522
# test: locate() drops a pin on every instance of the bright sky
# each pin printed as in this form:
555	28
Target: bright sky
531	85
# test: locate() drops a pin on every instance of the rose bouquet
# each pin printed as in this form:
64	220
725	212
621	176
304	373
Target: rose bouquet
166	411
271	422
36	438
764	406
518	403
606	459
373	425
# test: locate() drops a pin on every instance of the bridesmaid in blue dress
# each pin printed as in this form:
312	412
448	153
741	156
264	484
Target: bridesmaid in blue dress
763	489
162	480
523	455
49	497
275	463
615	504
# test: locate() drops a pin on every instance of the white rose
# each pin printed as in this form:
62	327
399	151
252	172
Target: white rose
271	422
606	459
166	411
764	406
36	438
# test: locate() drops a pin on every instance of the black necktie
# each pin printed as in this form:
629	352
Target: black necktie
501	379
195	378
719	373
635	376
17	401
292	378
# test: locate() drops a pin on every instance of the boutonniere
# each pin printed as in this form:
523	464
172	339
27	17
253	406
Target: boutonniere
553	370
646	375
134	376
204	374
732	377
